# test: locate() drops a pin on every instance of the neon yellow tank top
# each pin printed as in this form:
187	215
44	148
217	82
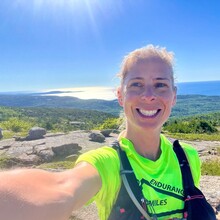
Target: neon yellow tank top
161	179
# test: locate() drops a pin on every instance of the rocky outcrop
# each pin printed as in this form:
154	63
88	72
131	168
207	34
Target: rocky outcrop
66	149
33	134
29	152
97	137
106	132
36	133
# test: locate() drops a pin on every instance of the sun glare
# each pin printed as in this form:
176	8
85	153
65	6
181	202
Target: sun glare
77	11
58	4
106	93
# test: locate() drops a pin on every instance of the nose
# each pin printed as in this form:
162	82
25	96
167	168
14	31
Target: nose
148	94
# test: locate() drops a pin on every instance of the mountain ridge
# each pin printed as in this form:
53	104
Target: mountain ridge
186	104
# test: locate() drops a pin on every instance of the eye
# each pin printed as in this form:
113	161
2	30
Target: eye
161	85
136	84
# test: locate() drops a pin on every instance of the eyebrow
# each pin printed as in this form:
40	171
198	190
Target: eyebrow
135	78
158	78
161	78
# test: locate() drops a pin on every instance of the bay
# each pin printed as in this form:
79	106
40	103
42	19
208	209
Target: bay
209	88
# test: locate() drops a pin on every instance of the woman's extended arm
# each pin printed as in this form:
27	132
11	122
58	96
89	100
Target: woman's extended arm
40	195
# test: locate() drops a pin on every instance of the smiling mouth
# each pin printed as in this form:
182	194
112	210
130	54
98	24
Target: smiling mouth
148	113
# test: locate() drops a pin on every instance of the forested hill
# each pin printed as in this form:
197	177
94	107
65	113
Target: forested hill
196	104
59	102
186	104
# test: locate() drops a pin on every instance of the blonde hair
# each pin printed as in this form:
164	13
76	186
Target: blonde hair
150	52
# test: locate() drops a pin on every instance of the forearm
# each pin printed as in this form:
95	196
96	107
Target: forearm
12	208
40	195
33	194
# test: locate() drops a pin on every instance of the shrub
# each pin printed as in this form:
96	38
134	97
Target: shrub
211	168
16	125
197	126
201	126
109	123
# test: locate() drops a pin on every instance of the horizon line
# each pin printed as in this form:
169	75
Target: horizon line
87	87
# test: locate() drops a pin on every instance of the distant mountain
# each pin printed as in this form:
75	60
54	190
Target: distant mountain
196	104
186	104
35	100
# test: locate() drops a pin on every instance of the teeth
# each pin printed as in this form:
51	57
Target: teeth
148	113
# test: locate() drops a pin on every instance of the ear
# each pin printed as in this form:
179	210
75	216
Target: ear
119	95
175	96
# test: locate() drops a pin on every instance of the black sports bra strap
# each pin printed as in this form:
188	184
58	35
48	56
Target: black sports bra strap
128	171
184	166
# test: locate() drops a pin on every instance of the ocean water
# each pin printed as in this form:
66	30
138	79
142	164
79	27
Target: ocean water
210	88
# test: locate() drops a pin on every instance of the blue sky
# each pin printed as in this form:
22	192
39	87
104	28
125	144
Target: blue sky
49	44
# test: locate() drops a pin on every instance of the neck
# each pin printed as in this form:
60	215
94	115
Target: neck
146	143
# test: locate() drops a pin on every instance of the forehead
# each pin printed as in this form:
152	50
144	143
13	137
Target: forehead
149	68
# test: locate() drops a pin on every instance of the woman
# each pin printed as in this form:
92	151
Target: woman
147	94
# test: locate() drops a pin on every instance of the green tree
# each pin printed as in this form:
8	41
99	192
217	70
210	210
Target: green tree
110	123
16	125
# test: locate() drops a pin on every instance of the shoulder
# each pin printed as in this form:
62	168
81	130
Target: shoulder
191	154
101	155
194	161
104	159
190	150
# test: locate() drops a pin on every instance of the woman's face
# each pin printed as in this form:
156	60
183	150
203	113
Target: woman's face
147	94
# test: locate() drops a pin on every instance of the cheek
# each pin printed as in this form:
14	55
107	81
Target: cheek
129	97
171	100
168	99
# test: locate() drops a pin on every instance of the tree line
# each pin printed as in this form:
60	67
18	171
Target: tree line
20	120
